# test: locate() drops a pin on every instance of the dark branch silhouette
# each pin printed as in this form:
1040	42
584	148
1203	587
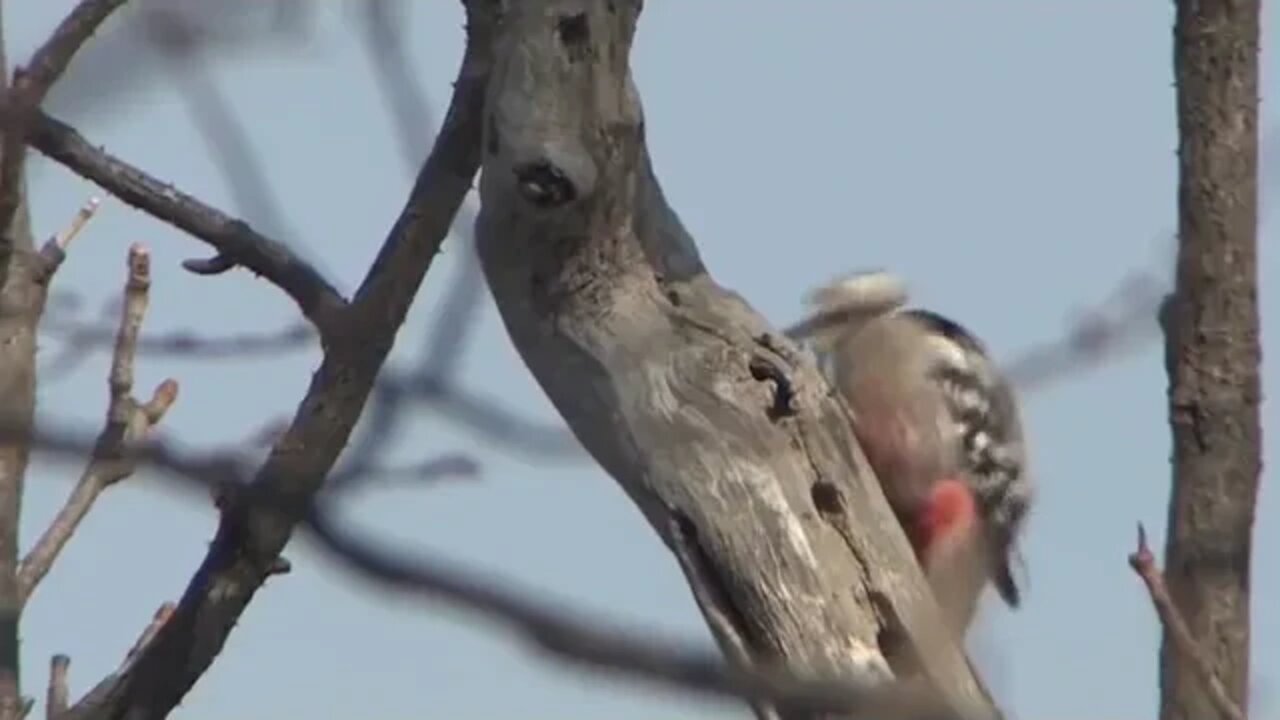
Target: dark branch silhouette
31	82
259	508
235	241
546	625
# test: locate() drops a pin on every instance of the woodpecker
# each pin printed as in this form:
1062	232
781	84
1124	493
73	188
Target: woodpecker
940	426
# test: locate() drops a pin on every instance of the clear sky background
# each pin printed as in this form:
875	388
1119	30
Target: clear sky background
1014	160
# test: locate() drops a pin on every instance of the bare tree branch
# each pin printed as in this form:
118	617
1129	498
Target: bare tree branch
257	520
235	241
94	696
127	422
174	35
24	277
54	251
243	28
79	339
24	280
1213	351
231	25
30	85
651	363
384	43
57	696
229	146
1126	318
250	538
1143	563
548	628
546	625
162	615
1123	321
448	467
431	383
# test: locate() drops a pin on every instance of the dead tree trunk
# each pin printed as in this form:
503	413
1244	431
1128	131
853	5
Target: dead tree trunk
724	435
22	298
1213	351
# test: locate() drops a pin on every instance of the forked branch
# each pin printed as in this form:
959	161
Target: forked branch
235	242
128	421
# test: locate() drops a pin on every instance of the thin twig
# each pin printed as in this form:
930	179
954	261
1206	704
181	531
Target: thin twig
145	638
56	699
359	339
434	470
1122	322
1144	564
50	61
30	86
63	239
80	337
228	141
552	629
1126	318
547	626
55	248
399	392
434	375
236	243
127	422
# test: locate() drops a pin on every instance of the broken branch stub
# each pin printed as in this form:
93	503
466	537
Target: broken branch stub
707	418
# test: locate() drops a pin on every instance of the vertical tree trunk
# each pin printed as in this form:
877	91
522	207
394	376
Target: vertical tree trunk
1213	349
21	299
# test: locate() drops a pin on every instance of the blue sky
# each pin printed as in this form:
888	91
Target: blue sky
1013	161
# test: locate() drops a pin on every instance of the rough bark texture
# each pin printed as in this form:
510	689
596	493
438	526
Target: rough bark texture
725	436
22	298
1213	350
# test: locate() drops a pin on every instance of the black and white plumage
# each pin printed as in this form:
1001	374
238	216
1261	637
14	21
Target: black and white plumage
940	425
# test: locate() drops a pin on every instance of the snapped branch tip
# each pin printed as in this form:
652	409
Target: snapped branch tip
81	219
1141	558
139	264
166	393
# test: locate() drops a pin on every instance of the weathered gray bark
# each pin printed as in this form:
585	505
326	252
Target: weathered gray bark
725	436
1213	351
22	298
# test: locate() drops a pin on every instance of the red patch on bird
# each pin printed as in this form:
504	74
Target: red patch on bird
949	509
